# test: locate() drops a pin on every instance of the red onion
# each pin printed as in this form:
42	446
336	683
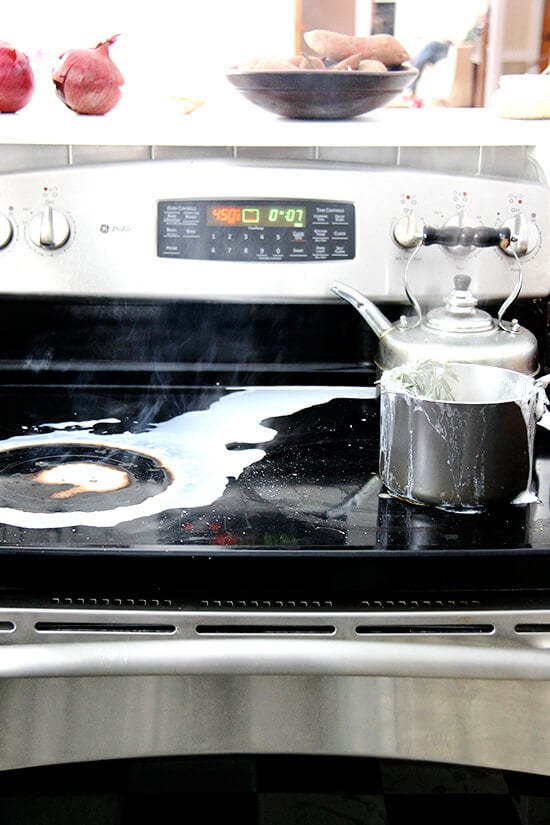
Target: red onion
16	79
87	80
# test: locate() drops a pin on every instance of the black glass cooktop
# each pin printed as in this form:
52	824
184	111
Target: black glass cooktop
150	494
263	470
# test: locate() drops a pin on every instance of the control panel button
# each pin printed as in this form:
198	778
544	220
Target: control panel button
49	229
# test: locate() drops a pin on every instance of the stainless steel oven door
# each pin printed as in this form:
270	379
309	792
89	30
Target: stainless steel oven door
465	687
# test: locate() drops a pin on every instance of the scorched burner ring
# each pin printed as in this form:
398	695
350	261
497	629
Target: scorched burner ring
69	477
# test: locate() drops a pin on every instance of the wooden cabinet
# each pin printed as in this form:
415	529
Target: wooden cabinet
323	14
545	37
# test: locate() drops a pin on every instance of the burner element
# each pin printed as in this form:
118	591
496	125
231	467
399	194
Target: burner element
65	477
84	477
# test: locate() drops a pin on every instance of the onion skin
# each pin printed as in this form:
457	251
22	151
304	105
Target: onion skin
16	79
87	80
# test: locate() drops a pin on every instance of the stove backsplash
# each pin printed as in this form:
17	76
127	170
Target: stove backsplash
206	342
504	162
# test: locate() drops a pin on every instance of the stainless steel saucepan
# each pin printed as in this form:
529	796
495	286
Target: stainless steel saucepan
459	435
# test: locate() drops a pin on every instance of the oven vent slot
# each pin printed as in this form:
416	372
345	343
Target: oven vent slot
533	627
103	627
420	604
265	629
423	629
329	604
108	601
7	627
267	604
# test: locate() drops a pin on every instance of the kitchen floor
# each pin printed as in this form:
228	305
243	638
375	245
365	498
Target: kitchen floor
272	790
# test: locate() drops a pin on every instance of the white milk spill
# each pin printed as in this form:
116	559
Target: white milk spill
192	446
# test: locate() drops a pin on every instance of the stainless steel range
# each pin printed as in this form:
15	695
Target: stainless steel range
197	553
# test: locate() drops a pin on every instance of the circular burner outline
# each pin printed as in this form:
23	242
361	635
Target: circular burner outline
21	488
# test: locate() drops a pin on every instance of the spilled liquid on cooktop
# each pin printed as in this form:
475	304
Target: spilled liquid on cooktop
191	449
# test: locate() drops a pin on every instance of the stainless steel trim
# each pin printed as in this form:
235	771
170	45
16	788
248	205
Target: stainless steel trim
443	644
480	627
276	656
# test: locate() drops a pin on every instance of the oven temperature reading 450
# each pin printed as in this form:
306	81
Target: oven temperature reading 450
253	215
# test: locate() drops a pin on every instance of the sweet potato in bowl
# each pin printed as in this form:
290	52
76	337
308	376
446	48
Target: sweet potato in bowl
345	76
336	52
334	46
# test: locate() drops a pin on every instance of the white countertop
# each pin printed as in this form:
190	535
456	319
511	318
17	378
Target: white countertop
225	119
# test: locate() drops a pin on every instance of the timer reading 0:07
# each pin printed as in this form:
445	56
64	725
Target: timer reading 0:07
287	216
256	215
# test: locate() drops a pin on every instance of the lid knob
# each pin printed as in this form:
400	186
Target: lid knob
459	313
462	282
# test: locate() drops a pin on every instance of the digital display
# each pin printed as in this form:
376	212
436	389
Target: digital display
286	214
256	229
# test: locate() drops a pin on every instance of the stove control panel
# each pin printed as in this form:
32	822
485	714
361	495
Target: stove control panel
231	229
256	230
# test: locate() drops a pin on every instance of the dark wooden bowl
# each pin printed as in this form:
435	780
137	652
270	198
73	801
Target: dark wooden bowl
321	94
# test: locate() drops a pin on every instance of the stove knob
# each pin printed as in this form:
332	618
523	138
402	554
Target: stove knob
6	231
407	231
525	235
49	229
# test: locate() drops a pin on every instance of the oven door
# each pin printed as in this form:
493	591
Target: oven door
89	673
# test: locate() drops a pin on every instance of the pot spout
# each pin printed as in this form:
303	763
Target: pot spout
376	319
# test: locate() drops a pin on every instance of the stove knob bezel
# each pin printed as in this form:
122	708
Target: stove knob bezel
7	231
526	236
49	229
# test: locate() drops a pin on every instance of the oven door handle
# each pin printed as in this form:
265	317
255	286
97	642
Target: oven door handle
261	656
